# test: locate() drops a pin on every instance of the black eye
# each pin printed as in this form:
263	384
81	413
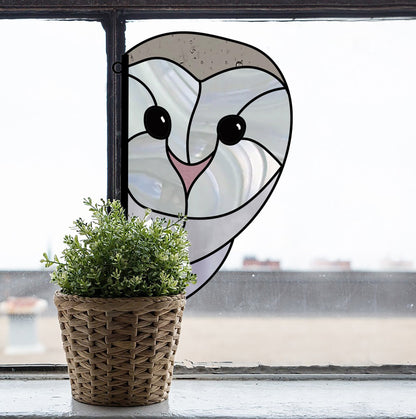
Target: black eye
231	129
157	122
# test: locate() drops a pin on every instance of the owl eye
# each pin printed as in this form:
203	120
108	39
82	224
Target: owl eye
157	122
231	129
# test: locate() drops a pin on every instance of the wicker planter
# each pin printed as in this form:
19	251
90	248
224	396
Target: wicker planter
120	351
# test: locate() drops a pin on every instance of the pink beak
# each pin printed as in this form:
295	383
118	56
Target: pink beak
189	172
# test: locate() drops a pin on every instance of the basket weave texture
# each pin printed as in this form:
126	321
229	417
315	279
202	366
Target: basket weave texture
120	351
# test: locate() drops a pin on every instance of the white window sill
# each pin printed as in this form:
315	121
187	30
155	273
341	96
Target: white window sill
213	397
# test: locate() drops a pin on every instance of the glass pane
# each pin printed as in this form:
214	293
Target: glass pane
314	279
53	138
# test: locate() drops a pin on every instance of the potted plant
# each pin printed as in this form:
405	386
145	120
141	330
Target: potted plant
120	305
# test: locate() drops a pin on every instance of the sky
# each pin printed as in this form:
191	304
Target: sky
347	190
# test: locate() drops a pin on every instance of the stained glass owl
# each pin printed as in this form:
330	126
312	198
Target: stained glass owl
206	135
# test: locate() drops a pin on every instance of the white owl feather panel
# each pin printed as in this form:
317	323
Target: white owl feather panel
208	235
224	94
153	182
139	100
236	174
268	122
172	88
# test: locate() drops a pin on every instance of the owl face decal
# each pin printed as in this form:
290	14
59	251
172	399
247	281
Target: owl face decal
206	135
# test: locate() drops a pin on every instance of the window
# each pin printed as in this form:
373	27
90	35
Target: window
344	204
53	155
346	194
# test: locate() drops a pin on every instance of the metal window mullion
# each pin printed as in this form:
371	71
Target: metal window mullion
115	26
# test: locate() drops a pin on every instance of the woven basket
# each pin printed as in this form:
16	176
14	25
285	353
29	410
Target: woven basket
120	351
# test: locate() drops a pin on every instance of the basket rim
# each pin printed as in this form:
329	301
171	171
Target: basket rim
78	298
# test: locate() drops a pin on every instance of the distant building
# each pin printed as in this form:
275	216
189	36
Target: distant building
331	265
252	263
396	265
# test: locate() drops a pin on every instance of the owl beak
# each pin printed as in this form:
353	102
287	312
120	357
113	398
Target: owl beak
189	172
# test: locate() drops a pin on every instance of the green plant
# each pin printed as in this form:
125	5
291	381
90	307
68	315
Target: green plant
119	256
